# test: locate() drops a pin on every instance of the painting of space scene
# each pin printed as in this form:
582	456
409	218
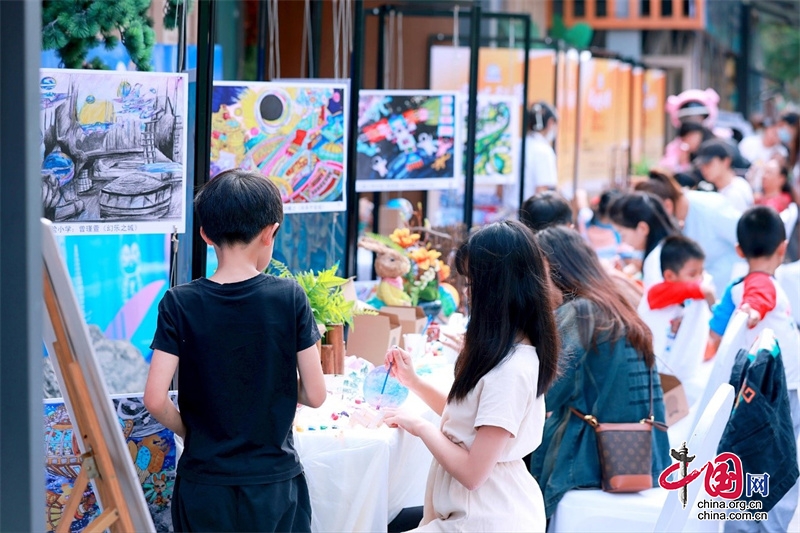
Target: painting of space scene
113	147
292	133
152	448
407	141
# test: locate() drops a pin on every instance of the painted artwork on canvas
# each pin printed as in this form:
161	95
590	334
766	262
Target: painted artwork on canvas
496	139
113	149
152	449
406	140
292	133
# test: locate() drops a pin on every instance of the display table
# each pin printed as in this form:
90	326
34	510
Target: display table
360	479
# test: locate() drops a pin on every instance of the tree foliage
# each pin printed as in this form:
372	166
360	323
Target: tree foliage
73	27
781	45
579	35
174	11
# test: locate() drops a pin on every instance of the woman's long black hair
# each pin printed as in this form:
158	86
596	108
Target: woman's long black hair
509	296
632	208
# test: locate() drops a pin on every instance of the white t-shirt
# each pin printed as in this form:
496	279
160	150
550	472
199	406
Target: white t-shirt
540	164
506	397
788	277
739	193
752	148
651	267
510	499
711	222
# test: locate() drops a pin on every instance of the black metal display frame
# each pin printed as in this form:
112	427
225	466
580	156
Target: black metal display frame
205	68
550	44
423	10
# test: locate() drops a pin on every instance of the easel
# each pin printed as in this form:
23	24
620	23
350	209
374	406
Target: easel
105	461
97	459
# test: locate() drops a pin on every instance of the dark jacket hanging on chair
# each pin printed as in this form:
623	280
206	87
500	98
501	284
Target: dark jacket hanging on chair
760	429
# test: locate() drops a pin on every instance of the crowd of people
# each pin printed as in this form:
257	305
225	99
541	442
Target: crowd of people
568	309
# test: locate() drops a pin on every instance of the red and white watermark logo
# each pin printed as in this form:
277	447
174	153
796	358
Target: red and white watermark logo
724	478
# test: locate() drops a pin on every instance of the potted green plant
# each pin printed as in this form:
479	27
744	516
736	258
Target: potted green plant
332	310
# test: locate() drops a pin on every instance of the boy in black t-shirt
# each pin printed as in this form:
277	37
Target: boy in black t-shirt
242	338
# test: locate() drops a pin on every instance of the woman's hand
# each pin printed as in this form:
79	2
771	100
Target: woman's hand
454	341
401	367
397	418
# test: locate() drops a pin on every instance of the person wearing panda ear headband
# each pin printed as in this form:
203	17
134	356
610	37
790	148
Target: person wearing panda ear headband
541	172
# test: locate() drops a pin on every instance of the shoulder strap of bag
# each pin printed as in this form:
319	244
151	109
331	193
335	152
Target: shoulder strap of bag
589	419
652	419
592	420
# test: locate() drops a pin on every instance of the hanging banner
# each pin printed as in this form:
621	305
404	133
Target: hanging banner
622	113
597	122
449	68
500	71
567	107
293	133
542	76
406	140
654	96
113	151
637	114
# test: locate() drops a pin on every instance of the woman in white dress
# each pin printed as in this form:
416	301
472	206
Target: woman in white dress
494	413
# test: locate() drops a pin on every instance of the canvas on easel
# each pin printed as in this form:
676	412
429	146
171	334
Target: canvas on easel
106	460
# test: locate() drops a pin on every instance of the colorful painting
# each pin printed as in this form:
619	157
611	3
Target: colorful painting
293	133
113	147
496	139
152	449
407	140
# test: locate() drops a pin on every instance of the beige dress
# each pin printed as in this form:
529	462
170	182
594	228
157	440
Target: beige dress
510	499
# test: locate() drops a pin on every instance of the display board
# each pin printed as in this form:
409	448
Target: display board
293	133
98	436
407	140
113	147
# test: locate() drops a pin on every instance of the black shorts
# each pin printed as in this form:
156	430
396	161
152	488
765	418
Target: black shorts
283	506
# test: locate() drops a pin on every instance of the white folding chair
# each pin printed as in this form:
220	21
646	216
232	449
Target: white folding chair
735	339
789	217
592	510
703	445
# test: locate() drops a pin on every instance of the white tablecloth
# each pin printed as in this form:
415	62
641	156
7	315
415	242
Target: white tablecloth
360	479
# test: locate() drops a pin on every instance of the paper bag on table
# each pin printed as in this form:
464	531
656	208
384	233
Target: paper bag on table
412	319
372	335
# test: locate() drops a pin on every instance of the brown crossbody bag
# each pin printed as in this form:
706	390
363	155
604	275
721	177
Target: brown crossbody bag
625	450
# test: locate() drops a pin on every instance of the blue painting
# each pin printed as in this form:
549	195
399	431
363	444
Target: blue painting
118	282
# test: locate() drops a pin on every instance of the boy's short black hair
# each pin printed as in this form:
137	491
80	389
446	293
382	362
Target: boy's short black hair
715	148
678	249
236	205
545	209
760	231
